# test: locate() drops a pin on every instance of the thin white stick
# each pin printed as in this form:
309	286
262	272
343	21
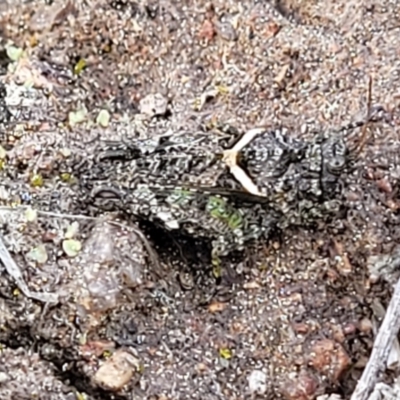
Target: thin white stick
14	271
382	345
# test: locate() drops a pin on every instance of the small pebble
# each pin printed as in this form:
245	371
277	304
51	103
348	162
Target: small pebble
257	382
153	105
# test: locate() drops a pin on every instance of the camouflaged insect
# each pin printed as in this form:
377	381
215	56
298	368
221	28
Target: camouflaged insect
191	183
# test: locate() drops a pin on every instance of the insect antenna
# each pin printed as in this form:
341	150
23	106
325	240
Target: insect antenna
374	114
354	143
363	139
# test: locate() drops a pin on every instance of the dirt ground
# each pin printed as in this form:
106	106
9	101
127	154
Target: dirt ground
294	319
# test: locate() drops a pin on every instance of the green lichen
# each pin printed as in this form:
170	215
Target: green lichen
71	247
103	118
180	197
38	254
14	53
67	177
79	66
221	210
225	353
3	153
36	180
77	117
216	267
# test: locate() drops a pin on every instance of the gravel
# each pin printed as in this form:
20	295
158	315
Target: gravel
290	320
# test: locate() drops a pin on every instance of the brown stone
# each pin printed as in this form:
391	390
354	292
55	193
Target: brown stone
300	387
329	358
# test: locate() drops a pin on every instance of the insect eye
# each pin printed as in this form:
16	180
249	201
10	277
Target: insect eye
336	165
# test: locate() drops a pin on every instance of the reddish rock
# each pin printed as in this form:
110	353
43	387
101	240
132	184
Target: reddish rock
207	30
300	387
329	358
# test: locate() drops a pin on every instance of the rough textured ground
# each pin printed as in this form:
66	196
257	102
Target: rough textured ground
295	318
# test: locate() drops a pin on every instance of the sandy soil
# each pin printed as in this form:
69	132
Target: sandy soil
294	319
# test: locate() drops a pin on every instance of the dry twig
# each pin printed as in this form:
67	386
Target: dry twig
382	345
14	271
